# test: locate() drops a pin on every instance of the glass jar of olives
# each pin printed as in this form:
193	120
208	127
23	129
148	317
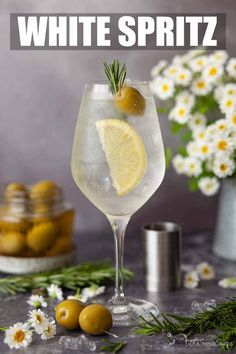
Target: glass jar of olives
35	220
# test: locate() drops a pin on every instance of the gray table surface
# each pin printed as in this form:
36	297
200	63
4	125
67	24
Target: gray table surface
196	248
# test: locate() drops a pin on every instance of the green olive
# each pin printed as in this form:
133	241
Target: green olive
41	236
14	188
13	243
67	313
130	101
43	190
95	319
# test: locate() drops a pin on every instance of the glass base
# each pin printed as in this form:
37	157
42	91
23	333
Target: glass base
128	312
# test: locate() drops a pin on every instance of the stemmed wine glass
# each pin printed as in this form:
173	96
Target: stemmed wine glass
118	163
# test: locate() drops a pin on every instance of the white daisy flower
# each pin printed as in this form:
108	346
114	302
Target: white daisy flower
199	134
205	271
38	320
49	332
37	301
222	126
198	63
229	90
210	132
191	280
183	76
219	57
178	163
231	67
192	148
179	59
197	121
193	166
212	72
209	185
231	119
228	283
92	291
219	93
223	166
55	292
162	87
18	336
193	54
204	150
227	104
158	68
171	71
180	114
185	98
222	144
201	87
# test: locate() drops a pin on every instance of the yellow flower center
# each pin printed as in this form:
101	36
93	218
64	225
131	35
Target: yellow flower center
182	76
181	112
230	92
165	87
19	336
198	121
38	318
204	149
229	103
199	62
234	119
201	84
206	271
223	167
212	71
222	145
222	127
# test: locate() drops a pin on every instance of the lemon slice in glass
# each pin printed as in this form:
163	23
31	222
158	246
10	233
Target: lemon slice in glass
125	153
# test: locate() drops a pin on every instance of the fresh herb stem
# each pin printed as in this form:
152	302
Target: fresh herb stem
116	75
112	347
70	278
220	318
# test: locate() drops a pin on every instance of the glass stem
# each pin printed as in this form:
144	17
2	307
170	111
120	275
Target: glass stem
119	227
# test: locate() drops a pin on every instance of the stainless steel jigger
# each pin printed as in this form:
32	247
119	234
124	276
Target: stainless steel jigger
162	248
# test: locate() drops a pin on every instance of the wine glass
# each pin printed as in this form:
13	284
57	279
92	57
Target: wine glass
118	162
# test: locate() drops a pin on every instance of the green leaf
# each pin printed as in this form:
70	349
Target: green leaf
163	110
182	151
168	156
193	184
187	136
176	127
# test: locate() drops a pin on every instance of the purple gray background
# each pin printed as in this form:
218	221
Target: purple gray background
39	102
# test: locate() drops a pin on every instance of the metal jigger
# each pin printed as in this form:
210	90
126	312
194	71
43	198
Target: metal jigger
162	248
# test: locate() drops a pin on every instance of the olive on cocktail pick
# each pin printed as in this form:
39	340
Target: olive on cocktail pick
95	319
128	99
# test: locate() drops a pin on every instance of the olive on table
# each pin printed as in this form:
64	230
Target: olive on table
67	313
95	319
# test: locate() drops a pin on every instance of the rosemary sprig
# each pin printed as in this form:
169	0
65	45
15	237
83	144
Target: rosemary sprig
116	75
70	278
220	318
112	347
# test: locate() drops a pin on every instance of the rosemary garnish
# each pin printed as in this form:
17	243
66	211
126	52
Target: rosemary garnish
115	75
221	318
70	278
112	347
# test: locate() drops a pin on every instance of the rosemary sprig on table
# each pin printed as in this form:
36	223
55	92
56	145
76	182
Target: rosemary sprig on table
70	278
116	75
220	318
112	347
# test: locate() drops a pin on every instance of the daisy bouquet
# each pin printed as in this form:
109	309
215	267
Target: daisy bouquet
198	90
